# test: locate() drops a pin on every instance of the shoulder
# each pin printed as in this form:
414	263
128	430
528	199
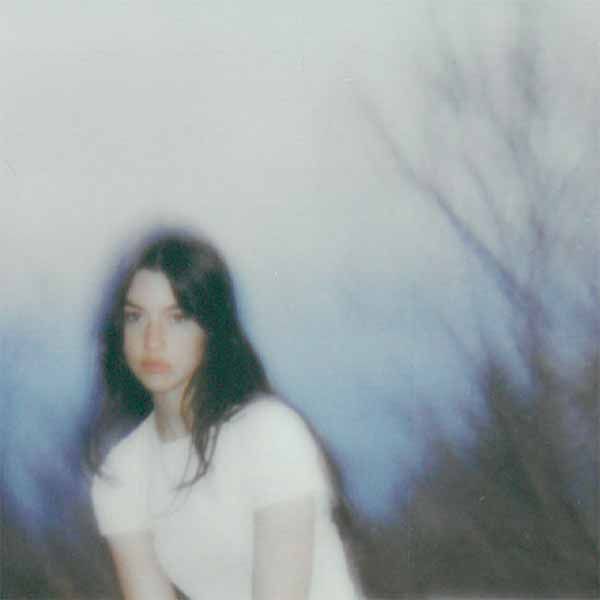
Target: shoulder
282	458
127	452
269	414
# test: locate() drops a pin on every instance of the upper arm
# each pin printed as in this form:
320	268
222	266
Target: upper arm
283	550
120	494
288	488
139	572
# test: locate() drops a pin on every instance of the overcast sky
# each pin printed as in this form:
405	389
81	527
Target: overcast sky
245	121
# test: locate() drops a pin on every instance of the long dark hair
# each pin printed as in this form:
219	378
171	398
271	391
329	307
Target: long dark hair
230	373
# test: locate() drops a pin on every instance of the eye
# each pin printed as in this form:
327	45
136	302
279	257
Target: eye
179	316
131	316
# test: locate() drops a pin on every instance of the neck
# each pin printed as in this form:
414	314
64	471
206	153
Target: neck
171	422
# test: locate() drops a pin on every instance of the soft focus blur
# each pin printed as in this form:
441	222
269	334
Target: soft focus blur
407	196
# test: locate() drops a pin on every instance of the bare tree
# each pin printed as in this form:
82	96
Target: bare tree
515	512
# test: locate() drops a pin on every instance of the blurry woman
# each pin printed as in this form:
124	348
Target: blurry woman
205	482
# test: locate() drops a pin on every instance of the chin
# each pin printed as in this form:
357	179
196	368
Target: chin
155	386
161	389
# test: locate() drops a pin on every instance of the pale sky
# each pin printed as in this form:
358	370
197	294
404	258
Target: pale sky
244	120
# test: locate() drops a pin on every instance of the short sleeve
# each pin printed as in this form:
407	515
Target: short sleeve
119	496
285	461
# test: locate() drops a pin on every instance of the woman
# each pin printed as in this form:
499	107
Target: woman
216	488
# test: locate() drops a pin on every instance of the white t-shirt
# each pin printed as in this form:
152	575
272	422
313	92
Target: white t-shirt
203	534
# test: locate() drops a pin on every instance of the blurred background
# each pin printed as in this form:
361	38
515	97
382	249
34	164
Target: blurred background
407	194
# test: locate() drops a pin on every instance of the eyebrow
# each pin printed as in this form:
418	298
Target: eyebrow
131	304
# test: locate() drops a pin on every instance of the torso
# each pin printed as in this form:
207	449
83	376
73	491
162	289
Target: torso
203	534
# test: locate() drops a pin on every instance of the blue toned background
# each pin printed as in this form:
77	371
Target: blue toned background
254	124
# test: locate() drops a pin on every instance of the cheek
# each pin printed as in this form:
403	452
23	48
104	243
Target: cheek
130	346
197	348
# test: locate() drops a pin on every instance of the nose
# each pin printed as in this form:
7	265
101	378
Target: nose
154	337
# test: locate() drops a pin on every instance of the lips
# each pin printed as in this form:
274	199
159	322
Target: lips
155	366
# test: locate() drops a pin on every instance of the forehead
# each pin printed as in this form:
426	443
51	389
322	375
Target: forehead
150	288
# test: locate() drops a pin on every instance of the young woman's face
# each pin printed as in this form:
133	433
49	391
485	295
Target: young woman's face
162	346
